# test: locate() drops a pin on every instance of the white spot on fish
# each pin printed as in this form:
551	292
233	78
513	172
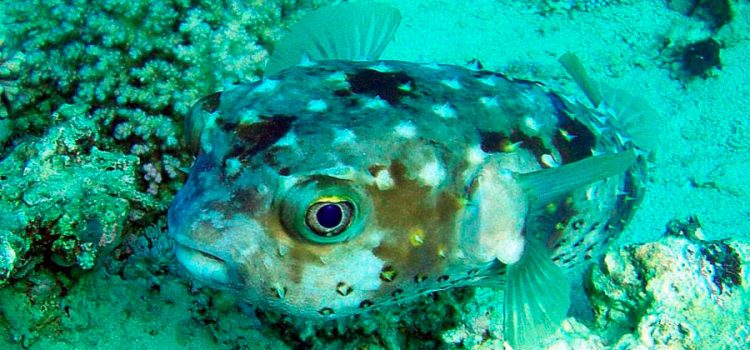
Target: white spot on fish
317	106
550	161
306	61
432	174
453	83
489	102
249	116
232	166
383	180
475	155
290	139
382	68
406	129
405	87
489	81
444	110
376	103
531	124
266	86
343	136
337	77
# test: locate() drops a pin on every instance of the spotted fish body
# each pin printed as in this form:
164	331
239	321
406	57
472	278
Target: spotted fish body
426	167
412	139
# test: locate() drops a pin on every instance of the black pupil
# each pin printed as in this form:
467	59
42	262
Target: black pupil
329	215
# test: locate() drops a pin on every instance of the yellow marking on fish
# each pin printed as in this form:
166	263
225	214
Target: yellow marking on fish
416	237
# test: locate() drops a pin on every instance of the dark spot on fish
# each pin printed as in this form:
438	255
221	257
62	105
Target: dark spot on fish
387	85
443	278
343	289
577	224
397	292
365	304
203	163
531	143
257	136
419	278
284	171
342	92
579	141
388	273
326	311
248	199
280	293
472	272
494	142
210	103
587	257
577	244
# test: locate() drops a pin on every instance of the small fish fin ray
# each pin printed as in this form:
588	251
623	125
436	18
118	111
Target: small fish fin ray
537	298
631	113
347	31
544	186
197	119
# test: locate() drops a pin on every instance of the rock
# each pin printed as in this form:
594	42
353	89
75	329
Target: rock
679	292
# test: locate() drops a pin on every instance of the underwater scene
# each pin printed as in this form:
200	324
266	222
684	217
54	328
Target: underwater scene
374	174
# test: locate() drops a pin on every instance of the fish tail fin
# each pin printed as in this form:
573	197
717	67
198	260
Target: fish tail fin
347	31
537	298
630	113
544	186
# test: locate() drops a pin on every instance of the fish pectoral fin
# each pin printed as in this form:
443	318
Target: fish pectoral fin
537	298
630	113
347	31
544	186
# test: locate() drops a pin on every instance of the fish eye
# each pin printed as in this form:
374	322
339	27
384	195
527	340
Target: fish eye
329	218
324	210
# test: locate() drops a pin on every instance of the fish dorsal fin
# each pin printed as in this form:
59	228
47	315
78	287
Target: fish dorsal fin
537	298
631	113
347	31
543	186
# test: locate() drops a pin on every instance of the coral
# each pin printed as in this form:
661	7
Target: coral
10	66
679	292
65	199
92	98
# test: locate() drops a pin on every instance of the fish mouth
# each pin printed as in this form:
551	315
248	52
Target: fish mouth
203	265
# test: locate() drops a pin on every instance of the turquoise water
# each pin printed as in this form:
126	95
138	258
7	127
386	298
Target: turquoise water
93	94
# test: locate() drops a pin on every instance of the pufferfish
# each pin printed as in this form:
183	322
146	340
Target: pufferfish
339	182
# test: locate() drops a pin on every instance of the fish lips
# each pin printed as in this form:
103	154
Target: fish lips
203	265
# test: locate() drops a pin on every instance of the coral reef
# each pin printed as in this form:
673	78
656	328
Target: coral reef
677	293
65	200
92	98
